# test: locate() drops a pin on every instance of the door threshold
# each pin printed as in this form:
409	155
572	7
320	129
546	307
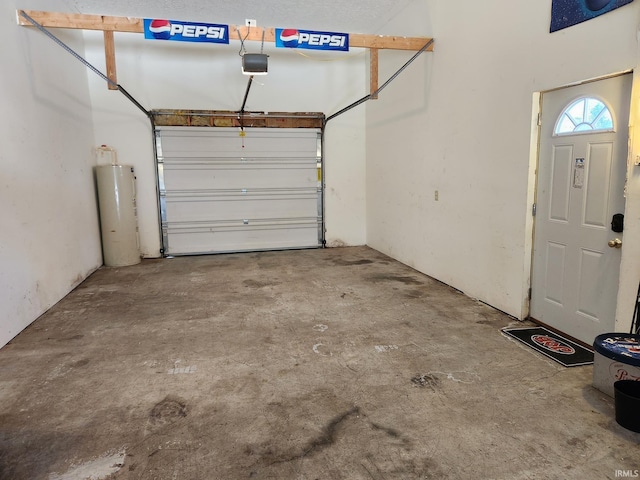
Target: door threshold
560	332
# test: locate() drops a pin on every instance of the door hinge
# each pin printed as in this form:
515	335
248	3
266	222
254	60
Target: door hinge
529	293
534	210
539	118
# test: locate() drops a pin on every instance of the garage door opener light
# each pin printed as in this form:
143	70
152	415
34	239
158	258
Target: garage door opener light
254	63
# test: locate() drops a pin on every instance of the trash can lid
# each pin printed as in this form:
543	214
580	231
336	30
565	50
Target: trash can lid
621	347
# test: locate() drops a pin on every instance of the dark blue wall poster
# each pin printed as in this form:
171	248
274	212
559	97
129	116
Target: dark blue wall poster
565	13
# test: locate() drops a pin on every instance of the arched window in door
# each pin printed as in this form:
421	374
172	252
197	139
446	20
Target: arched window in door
584	115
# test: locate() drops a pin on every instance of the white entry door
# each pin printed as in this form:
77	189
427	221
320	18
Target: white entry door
581	176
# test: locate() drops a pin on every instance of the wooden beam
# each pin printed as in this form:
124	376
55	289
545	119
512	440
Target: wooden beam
81	21
225	118
253	34
110	57
389	42
356	40
373	72
136	25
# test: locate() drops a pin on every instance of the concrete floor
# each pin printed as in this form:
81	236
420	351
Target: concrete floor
318	364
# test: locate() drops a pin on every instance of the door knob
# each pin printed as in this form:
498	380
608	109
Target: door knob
615	243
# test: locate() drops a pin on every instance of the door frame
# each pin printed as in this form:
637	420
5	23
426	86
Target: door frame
532	192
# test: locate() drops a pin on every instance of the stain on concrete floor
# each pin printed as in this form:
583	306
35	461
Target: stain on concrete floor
411	379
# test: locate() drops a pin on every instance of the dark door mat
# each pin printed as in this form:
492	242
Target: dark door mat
552	345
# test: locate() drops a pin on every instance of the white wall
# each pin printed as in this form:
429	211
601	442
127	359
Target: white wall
459	122
49	235
630	267
176	75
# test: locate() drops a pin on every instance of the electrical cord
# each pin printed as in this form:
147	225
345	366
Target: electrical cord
242	50
635	323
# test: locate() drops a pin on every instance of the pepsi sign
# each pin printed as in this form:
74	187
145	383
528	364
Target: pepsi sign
292	38
157	29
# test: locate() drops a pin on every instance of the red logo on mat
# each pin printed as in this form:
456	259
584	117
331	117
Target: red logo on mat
553	345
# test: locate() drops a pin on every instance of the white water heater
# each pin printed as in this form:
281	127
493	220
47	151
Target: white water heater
118	216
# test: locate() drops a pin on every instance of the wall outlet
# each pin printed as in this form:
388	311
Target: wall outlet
249	22
436	195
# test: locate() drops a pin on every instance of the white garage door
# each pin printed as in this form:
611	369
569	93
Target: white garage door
221	192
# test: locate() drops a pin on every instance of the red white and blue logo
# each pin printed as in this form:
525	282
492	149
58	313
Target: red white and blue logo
158	29
289	37
311	40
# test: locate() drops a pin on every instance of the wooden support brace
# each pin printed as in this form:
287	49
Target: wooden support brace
110	57
109	24
136	25
373	75
356	40
386	42
79	21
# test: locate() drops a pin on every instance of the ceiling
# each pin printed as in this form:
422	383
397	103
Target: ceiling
353	16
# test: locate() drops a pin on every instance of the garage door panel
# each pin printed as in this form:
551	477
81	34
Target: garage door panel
228	237
239	207
240	176
217	196
185	142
